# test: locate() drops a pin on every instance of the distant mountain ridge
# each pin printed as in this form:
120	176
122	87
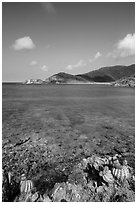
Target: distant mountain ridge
109	74
63	77
104	74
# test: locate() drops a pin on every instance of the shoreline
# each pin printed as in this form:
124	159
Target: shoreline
114	84
98	83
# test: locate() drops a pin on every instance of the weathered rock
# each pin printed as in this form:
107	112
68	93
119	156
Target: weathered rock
91	179
25	185
100	189
59	192
83	137
10	187
35	197
127	82
46	198
70	193
106	175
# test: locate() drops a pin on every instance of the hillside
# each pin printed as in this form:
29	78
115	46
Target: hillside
63	77
104	74
109	74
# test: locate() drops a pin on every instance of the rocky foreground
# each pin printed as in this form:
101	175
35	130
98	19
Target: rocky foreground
29	175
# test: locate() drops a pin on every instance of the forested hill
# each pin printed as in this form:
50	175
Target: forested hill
105	74
109	74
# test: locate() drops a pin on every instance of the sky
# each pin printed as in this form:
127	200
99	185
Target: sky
42	39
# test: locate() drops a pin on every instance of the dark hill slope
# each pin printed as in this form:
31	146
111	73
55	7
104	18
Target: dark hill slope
105	74
108	74
63	77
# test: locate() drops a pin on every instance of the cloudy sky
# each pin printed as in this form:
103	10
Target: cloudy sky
41	39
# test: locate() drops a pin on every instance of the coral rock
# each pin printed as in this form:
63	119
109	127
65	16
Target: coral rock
35	197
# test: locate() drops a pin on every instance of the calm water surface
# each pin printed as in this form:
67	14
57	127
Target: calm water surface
88	109
95	97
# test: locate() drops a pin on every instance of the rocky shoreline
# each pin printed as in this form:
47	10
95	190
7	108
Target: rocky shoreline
103	75
125	82
30	175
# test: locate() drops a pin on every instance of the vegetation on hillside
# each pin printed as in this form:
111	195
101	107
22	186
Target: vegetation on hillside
105	74
109	74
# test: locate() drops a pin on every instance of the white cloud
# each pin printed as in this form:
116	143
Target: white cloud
33	62
114	54
70	67
97	55
23	43
49	7
44	68
80	63
124	48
